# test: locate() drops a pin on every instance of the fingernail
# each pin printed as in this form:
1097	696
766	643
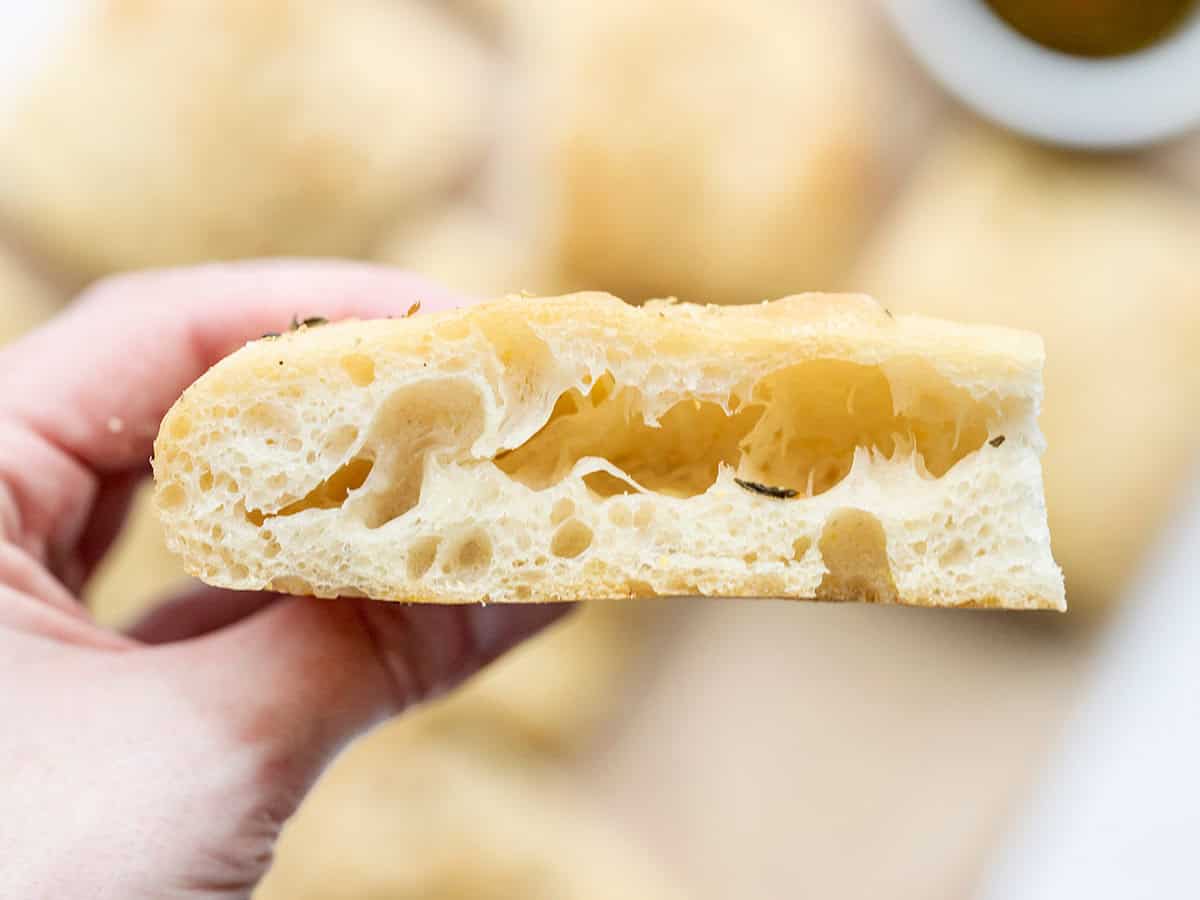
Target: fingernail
500	626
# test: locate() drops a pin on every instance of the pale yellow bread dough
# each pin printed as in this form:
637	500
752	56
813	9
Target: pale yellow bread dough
574	448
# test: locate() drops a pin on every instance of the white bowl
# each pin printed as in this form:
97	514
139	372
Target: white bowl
1122	101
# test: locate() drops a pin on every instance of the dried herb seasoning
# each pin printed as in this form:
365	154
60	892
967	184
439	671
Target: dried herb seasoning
1095	28
310	322
779	493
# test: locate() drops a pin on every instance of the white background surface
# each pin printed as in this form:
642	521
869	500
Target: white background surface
27	29
1118	813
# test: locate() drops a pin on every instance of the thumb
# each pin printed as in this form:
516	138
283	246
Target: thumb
299	679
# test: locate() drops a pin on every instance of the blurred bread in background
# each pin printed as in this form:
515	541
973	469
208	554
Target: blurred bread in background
707	150
173	132
26	299
1100	259
556	696
824	750
469	249
405	815
487	17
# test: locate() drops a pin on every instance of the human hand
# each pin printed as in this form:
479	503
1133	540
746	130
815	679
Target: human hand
163	762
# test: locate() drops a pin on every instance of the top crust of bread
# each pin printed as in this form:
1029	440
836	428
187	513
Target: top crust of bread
578	447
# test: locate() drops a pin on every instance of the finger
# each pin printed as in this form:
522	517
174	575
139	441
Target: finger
28	621
197	612
35	603
45	493
304	676
23	573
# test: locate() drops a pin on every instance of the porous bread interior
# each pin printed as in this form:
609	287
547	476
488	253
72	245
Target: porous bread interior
519	452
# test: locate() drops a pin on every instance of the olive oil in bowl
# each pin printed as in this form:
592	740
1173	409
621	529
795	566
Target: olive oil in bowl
1095	28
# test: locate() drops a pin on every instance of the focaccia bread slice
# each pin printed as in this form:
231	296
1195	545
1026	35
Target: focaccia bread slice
580	448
